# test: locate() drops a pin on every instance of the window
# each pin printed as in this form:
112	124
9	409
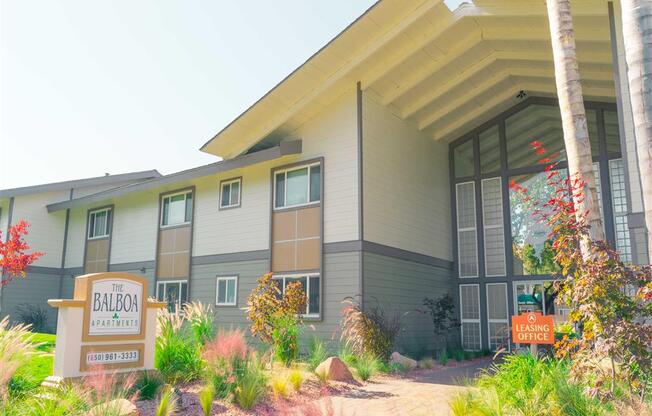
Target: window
490	150
230	193
297	186
466	230
497	316
619	201
177	209
536	122
227	291
531	247
311	286
99	221
470	314
494	234
463	160
174	292
540	296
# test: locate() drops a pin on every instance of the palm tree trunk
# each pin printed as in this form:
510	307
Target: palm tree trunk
573	114
637	36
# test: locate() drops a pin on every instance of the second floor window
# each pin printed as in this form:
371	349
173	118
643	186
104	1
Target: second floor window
177	209
297	186
230	191
99	221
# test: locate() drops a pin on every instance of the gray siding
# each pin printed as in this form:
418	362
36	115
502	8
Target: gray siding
340	279
35	289
399	286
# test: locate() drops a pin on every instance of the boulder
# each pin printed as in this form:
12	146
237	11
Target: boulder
406	362
335	369
117	407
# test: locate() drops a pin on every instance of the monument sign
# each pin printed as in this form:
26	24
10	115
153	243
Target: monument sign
118	326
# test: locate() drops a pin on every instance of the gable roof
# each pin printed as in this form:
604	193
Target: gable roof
80	183
447	71
283	149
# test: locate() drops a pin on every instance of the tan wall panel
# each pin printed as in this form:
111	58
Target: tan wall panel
166	241
283	256
308	254
165	266
182	239
181	264
284	226
97	256
309	222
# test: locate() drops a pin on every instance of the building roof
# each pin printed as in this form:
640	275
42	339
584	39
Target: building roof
80	183
447	71
283	149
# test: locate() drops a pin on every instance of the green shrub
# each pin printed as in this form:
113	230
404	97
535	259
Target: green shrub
178	355
369	331
317	353
33	315
147	385
251	384
167	403
347	356
64	401
285	338
17	347
206	396
443	357
459	355
201	319
366	366
427	363
296	379
524	385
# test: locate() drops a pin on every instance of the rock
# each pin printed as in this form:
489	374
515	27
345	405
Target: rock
335	369
117	407
406	362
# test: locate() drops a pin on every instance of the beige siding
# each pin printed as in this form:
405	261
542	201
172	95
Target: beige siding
135	224
332	135
406	185
76	238
4	216
245	228
46	230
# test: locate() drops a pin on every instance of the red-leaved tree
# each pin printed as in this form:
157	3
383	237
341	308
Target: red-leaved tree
14	258
610	301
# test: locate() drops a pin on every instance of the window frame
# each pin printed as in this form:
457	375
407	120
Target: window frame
179	282
471	321
217	290
465	229
284	276
184	192
109	220
293	168
498	321
229	182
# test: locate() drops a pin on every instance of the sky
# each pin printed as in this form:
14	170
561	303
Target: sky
95	87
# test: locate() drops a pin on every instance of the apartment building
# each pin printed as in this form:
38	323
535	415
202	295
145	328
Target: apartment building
380	168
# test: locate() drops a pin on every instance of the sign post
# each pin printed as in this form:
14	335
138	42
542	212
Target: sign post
108	324
533	328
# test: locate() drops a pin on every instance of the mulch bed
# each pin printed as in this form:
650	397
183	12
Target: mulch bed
299	403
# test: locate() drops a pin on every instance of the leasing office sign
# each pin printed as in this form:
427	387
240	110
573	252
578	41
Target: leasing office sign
533	328
115	307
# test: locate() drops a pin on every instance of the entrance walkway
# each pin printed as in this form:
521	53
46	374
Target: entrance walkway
420	394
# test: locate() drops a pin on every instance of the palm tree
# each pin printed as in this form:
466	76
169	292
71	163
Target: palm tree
637	37
573	114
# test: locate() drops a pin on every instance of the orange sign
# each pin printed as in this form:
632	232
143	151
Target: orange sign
533	328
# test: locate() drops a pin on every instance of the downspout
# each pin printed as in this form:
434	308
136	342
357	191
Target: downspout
360	192
65	246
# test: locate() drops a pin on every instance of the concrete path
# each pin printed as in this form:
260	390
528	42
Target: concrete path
424	393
